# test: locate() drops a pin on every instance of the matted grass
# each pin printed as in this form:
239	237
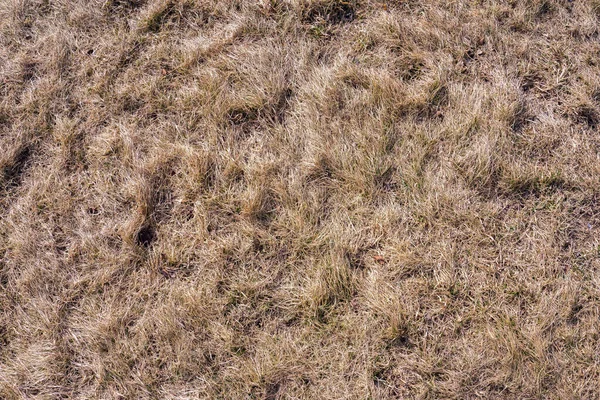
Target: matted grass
301	199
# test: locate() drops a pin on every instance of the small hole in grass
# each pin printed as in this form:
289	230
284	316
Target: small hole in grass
93	211
530	81
520	118
257	246
573	318
146	236
272	390
401	341
210	358
545	9
587	115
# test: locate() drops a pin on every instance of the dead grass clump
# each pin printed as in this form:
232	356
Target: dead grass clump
325	292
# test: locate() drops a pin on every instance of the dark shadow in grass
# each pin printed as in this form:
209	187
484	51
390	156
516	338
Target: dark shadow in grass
535	186
272	390
146	236
587	115
242	115
28	71
123	6
12	174
333	11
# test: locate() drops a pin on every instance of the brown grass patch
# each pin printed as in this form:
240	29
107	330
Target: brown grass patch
299	199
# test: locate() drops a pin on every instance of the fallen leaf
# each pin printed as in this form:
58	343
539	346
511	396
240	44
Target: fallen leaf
379	259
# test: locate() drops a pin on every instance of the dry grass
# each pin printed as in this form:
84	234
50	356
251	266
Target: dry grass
299	199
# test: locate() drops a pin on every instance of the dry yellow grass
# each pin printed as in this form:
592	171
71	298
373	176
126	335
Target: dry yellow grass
299	199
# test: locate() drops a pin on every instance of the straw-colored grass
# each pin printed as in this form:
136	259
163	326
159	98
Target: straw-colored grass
299	199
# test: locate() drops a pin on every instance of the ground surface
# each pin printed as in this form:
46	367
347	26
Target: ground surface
298	199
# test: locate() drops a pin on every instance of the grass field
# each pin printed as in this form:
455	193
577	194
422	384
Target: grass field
299	199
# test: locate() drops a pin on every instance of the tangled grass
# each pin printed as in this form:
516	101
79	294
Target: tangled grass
299	199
